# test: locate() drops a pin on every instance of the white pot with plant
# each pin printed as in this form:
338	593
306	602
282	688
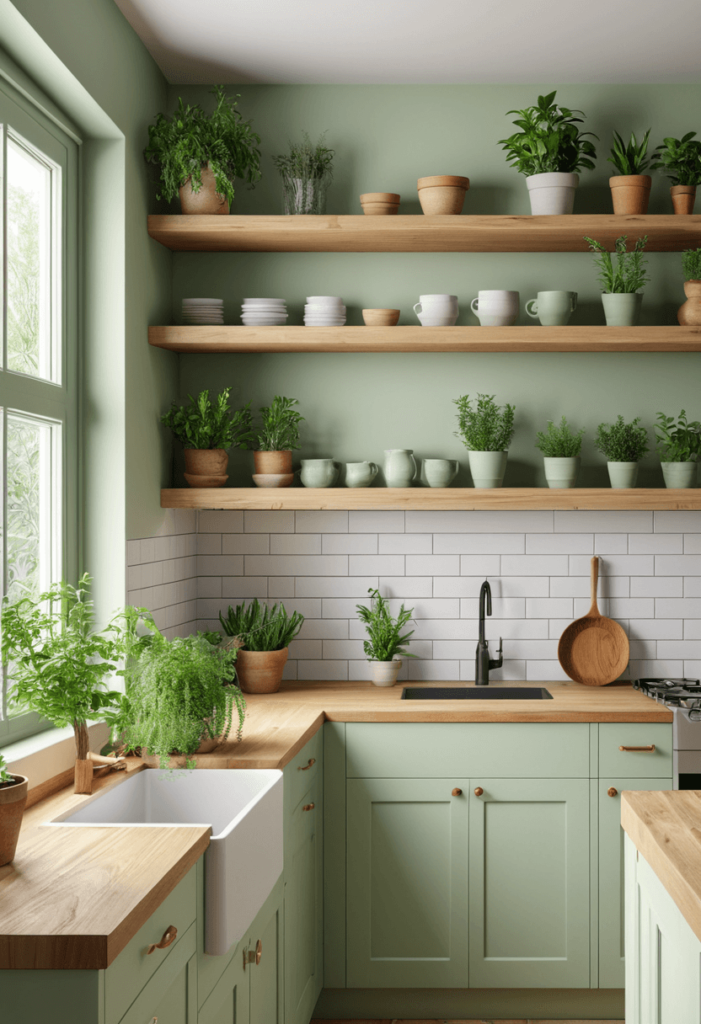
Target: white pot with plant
621	284
386	638
262	637
549	149
681	161
207	430
306	175
560	448
13	800
486	431
679	449
689	314
630	188
623	445
278	437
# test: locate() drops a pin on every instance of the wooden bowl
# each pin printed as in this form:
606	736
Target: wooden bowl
273	479
442	193
380	203
381	317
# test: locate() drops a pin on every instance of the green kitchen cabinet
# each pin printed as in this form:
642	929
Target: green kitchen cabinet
304	908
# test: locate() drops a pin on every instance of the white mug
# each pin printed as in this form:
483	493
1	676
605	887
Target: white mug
437	310
496	308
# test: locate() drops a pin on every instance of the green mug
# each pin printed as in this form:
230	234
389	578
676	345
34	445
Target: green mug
319	472
553	309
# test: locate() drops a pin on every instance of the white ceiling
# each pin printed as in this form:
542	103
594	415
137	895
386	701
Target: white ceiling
420	41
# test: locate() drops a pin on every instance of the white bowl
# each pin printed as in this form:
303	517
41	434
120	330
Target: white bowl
324	300
264	302
261	321
326	310
324	323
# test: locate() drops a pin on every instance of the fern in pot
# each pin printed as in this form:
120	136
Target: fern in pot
207	430
13	800
306	175
679	448
621	281
689	313
278	437
262	636
560	448
386	638
486	430
623	445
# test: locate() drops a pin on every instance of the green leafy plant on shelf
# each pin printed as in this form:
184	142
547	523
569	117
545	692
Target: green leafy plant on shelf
680	159
385	632
678	440
558	441
279	431
202	424
628	274
691	264
549	139
258	627
631	158
621	441
487	427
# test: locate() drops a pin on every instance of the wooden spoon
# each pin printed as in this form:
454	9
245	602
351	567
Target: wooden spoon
594	650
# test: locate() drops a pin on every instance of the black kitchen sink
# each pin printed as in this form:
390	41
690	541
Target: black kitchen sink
491	692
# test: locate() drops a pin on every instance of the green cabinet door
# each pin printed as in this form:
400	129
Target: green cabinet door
529	883
266	976
304	908
228	1002
407	883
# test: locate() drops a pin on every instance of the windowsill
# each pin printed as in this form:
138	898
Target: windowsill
48	754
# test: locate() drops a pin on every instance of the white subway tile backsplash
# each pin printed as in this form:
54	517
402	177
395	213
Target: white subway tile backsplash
502	607
321	522
580	586
296	565
614	565
324	629
262	521
338	649
375	565
405	544
349	544
220	521
656	543
242	588
549	607
479	522
306	649
376	522
611	543
431	629
656	629
209	586
291	544
692	543
210	544
535	565
545	671
480	543
654	667
341	586
433	671
433	565
678	522
222	565
511	669
281	586
248	543
618	607
479	565
469	586
656	586
133	552
406	586
604	522
560	544
679	649
678	608
318	671
692	629
678	565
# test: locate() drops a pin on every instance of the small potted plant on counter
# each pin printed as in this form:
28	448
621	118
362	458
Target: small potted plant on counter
689	314
13	800
386	638
207	431
560	448
549	149
623	445
681	161
262	636
277	439
621	284
306	175
679	448
486	431
201	155
630	188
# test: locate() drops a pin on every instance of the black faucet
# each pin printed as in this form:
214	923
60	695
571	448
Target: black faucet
483	663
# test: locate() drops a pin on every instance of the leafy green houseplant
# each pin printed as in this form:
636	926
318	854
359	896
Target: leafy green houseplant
622	445
207	430
679	448
386	637
691	264
13	800
262	635
201	155
621	282
680	159
630	188
306	174
486	430
278	437
560	447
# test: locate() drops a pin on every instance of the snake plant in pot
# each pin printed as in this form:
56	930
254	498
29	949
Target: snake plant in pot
262	637
679	449
630	188
207	430
623	445
560	448
487	431
386	638
13	800
621	282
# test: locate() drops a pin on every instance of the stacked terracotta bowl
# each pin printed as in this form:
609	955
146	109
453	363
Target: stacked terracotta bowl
382	203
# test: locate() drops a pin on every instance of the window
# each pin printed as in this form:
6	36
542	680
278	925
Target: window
38	364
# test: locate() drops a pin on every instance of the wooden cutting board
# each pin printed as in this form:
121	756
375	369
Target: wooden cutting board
594	650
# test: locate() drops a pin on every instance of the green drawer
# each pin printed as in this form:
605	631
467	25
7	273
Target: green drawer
171	993
635	764
302	771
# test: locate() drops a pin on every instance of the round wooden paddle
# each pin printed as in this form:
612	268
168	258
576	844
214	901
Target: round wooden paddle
594	650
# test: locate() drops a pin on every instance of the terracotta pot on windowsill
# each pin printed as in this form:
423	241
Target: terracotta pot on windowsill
207	200
206	467
13	800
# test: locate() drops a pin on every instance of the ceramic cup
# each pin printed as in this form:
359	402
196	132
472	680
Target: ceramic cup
427	320
553	309
400	467
438	305
319	472
360	474
496	308
440	472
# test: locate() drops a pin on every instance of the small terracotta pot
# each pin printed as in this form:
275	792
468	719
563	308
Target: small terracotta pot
273	479
13	800
260	671
442	193
207	200
279	463
382	203
381	317
689	314
206	467
630	193
683	197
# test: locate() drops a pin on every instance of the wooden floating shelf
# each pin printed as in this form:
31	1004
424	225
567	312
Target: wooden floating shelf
464	233
427	498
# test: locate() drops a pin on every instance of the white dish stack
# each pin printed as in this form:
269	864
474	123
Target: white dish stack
324	311
264	312
203	311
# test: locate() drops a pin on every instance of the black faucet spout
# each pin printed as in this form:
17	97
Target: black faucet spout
483	663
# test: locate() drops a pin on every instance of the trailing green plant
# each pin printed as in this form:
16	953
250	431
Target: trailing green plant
680	159
261	628
191	139
306	160
6	777
386	636
631	158
280	428
486	428
203	424
677	440
549	139
621	441
629	274
558	441
691	264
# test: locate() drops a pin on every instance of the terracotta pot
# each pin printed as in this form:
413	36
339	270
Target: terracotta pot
273	479
260	671
13	800
207	200
206	467
381	317
683	197
689	314
442	193
382	203
630	192
273	462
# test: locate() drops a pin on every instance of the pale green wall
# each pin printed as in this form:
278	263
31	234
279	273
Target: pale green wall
385	137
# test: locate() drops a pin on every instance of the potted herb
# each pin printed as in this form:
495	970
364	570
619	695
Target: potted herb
277	439
201	155
681	161
623	446
487	431
621	284
560	448
263	636
689	314
679	448
549	149
207	431
630	188
13	800
386	638
306	175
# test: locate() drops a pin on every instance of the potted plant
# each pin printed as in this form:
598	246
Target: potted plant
13	800
621	298
201	155
306	175
207	431
630	188
263	636
386	638
560	448
623	446
679	448
681	160
277	439
486	431
549	150
689	314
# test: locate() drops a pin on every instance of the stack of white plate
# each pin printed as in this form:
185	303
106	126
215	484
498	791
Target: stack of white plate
263	312
324	311
203	311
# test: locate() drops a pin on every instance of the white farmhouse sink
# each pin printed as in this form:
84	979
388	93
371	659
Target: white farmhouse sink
244	809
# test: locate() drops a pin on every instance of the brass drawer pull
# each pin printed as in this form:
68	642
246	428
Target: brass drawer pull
649	749
169	937
306	767
253	956
456	792
479	791
612	791
308	807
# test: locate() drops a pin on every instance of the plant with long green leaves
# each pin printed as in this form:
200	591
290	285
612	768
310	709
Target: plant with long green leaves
306	160
631	158
621	441
487	427
678	440
261	628
559	441
6	777
680	159
280	428
691	264
549	139
183	144
628	275
203	424
386	634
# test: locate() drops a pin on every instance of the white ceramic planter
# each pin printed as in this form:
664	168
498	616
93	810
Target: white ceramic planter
552	193
622	474
488	468
384	673
561	472
622	309
679	474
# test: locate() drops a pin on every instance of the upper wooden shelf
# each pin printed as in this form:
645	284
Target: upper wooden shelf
464	233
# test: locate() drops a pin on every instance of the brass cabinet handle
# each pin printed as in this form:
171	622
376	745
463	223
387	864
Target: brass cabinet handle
306	767
259	951
649	749
252	956
169	936
612	791
479	791
308	807
456	792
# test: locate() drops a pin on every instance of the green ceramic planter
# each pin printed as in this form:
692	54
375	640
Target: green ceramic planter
561	472
488	468
623	475
622	309
679	474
